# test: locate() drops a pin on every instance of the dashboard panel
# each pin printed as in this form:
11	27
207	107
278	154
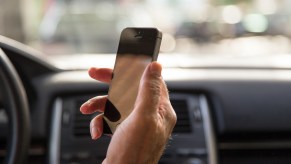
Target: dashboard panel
225	115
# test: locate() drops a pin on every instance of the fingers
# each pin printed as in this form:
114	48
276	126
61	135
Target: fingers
101	74
96	127
96	104
150	87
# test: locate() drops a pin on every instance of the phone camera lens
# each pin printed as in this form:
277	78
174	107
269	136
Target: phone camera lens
139	34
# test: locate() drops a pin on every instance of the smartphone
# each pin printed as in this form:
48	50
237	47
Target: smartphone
137	48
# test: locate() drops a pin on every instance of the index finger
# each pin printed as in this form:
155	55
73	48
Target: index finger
101	74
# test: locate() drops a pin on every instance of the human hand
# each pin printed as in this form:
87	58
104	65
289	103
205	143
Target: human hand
142	136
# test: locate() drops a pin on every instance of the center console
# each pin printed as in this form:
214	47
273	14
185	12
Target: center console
192	141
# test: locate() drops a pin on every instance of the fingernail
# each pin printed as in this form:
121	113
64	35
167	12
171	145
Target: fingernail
155	69
94	132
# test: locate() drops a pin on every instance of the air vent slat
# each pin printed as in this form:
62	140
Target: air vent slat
183	122
82	119
183	125
82	133
81	125
181	108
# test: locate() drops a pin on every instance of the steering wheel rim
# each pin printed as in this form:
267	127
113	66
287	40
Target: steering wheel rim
16	105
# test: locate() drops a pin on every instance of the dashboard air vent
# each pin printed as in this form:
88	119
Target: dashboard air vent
82	122
183	121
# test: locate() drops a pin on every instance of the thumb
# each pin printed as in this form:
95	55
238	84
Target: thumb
149	88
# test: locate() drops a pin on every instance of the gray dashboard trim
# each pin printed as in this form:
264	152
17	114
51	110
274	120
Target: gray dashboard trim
265	145
208	130
54	149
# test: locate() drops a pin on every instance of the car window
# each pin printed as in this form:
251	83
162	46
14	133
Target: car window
195	27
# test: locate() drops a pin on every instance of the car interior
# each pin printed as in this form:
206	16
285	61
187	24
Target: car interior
226	63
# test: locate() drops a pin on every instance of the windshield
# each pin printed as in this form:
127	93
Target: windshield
196	27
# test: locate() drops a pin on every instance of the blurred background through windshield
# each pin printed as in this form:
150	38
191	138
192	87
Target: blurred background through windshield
198	27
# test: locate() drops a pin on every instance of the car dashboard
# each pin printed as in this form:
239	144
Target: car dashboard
224	115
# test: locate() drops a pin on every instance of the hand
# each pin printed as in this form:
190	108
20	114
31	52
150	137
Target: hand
142	136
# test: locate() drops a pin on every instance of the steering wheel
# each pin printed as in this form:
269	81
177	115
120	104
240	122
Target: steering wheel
16	104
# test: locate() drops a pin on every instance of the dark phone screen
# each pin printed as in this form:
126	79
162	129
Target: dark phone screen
133	56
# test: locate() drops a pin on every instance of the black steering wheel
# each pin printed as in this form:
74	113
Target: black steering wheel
16	104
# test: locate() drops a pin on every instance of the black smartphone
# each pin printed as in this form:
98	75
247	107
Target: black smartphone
137	48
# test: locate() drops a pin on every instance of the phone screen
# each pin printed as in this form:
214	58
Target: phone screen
137	49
